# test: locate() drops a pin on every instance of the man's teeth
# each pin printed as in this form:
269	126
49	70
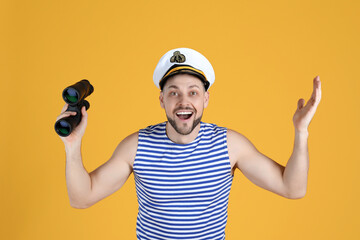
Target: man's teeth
184	113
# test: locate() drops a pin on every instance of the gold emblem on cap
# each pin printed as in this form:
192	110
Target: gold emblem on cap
178	57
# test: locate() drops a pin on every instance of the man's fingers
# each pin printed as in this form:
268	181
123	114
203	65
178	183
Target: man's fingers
64	108
301	103
83	118
65	114
315	83
83	111
316	94
318	89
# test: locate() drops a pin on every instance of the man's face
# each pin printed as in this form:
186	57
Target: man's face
184	99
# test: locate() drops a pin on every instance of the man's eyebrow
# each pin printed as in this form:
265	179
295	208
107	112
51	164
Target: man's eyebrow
192	86
173	86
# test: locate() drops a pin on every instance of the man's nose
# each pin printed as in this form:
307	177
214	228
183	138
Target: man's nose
183	100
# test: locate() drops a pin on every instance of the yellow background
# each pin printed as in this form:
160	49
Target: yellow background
265	55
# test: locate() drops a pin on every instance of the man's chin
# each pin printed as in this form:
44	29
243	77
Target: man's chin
184	128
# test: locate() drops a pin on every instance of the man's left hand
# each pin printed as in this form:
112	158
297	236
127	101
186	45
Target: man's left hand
304	114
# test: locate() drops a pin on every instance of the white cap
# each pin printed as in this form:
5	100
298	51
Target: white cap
184	60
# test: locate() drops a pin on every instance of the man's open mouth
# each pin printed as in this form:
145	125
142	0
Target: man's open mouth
184	115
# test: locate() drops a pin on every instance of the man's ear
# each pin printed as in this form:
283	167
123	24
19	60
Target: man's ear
161	98
206	96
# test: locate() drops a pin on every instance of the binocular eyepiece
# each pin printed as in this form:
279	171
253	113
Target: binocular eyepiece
75	96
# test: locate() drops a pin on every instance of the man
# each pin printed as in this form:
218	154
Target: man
183	168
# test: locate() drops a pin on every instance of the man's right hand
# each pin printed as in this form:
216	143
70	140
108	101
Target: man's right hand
77	133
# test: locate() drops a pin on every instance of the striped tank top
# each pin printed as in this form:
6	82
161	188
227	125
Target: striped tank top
182	189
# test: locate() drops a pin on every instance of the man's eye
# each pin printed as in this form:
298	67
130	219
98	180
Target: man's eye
173	94
193	93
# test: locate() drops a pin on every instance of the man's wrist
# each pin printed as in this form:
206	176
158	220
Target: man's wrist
301	139
302	132
70	148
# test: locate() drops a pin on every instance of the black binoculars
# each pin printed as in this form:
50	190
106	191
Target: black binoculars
75	96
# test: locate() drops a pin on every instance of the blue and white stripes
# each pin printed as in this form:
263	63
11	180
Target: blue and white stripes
182	189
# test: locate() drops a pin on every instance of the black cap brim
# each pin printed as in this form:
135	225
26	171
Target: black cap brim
185	71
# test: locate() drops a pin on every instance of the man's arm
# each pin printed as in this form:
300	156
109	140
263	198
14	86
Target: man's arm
289	181
85	189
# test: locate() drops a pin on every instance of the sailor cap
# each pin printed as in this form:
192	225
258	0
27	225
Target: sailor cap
183	60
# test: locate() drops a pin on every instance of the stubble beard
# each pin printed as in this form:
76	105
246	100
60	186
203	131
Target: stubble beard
184	131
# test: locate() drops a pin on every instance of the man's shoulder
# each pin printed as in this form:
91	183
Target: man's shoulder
131	140
238	141
234	135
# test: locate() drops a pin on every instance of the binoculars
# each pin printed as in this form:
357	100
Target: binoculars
75	96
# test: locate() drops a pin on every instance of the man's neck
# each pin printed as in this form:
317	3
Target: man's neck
178	138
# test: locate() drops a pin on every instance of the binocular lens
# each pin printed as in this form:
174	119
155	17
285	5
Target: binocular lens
71	95
63	128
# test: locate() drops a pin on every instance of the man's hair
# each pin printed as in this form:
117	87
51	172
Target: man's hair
163	82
